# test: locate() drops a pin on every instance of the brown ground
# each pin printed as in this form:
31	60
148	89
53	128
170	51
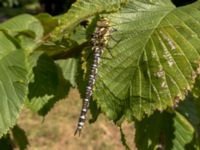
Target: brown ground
57	130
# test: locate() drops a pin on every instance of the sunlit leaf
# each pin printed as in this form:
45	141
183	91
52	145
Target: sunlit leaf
13	66
13	88
155	57
26	30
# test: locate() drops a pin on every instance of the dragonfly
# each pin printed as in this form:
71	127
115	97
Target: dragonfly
99	41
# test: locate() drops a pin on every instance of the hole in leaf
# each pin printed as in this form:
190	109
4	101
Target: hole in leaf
179	3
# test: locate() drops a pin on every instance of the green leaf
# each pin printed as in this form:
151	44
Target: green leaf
6	45
13	88
26	29
23	23
47	21
183	132
155	57
13	82
80	34
164	131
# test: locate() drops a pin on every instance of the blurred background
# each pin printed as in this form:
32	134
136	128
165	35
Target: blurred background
11	8
56	130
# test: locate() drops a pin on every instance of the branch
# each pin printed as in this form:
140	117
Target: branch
72	52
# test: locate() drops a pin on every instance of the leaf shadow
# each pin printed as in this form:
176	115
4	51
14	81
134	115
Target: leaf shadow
48	81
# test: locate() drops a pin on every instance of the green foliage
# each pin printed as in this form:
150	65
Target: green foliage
146	72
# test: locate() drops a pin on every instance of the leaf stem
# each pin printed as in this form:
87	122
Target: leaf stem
72	52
